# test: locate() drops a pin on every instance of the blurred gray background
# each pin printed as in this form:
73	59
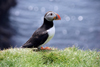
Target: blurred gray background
79	24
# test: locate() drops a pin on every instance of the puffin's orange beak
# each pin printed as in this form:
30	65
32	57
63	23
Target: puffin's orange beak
57	17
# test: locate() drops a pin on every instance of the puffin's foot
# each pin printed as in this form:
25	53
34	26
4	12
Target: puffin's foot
46	48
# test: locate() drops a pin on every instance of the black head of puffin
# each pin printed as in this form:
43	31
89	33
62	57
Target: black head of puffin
50	16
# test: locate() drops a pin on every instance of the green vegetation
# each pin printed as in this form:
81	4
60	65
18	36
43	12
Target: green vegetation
69	57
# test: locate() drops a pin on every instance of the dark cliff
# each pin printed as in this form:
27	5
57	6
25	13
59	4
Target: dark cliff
6	31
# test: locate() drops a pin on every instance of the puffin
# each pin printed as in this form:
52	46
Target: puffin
44	33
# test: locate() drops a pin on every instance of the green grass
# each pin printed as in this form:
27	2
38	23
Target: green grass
69	57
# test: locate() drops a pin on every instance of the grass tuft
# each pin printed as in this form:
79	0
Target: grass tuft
69	57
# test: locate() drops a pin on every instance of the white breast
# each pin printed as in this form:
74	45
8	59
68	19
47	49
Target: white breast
51	33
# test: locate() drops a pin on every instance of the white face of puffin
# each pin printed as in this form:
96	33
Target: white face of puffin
50	16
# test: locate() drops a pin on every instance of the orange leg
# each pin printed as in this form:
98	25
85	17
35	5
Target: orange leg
46	48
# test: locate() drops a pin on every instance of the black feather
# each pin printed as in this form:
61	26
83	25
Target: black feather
39	36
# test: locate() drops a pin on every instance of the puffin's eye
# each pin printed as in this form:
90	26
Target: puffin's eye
51	14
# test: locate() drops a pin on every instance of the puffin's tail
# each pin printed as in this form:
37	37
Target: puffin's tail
27	45
24	47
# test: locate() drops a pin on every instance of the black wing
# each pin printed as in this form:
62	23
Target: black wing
37	39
